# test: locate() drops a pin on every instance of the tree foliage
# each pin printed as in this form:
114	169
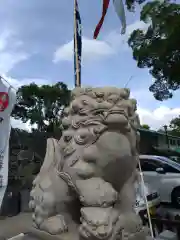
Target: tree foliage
161	130
132	3
175	126
42	105
145	126
158	48
32	146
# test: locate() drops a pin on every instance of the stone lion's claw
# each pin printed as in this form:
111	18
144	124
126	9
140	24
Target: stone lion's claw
54	225
32	205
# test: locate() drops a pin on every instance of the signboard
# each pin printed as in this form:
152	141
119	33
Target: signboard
7	102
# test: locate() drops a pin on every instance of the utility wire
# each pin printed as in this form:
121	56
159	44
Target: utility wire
129	80
2	78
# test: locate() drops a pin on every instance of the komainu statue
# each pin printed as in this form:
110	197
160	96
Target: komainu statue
88	175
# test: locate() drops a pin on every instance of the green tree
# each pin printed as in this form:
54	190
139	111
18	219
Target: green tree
158	47
175	126
145	126
42	105
26	155
131	4
161	130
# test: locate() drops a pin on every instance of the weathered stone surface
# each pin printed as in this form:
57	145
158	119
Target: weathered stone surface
168	235
87	177
30	237
18	237
72	234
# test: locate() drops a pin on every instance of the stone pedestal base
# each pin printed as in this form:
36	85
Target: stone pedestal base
35	234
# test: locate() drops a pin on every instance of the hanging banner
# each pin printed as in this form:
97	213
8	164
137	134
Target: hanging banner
119	8
104	11
7	102
77	44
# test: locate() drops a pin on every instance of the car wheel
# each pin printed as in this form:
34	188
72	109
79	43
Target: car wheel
176	197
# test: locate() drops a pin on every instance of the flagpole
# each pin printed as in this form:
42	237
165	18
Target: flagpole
77	74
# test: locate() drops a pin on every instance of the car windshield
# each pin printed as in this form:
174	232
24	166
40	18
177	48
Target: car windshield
169	161
175	158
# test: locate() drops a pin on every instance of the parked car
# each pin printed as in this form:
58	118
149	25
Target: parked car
163	174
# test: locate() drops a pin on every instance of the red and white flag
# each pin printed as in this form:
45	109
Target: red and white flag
7	102
4	101
119	8
104	11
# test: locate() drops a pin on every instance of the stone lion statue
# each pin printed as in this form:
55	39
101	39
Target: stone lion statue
90	171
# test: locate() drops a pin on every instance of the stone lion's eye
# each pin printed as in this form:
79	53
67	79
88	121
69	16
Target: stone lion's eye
83	136
81	139
84	102
110	101
112	98
67	138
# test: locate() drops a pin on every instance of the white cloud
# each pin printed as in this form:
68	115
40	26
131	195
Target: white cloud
3	39
15	123
10	51
99	49
10	54
9	60
119	42
26	81
158	117
92	50
155	116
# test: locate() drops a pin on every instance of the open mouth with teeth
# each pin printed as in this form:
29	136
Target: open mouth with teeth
117	112
116	117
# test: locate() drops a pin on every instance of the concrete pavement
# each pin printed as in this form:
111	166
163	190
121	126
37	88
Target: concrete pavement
11	226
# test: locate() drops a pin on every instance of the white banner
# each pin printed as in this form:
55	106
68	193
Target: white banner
119	8
6	92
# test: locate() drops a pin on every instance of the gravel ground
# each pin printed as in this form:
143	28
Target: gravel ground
12	226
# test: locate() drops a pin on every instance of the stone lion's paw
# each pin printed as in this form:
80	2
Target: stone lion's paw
42	202
54	225
36	197
98	232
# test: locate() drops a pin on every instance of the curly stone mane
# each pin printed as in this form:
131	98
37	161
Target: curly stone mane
91	110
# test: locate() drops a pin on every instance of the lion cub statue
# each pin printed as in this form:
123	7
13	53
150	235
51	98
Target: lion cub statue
94	164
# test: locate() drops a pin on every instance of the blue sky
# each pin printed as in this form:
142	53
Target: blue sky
35	45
